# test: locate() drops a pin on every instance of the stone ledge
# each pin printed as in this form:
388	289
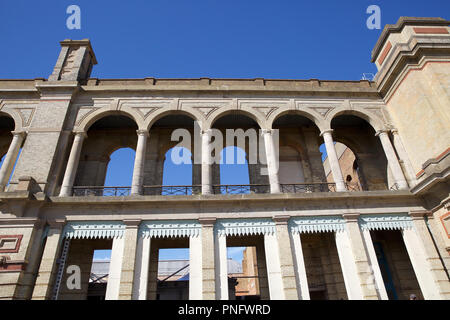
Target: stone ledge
231	198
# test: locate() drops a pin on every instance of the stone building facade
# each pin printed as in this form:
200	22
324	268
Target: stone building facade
313	239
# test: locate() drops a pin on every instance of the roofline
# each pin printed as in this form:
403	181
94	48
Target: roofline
398	27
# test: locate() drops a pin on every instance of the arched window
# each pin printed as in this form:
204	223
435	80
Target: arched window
234	167
119	172
107	158
177	167
356	142
349	167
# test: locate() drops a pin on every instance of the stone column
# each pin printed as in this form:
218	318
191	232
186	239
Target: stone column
195	268
72	165
272	162
348	266
286	258
139	161
333	160
47	270
299	267
220	249
208	263
360	256
206	163
115	266
129	259
429	269
381	289
392	160
273	266
141	271
398	144
10	158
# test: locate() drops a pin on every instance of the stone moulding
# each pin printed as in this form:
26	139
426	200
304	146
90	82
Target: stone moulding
94	230
317	224
385	222
243	227
170	229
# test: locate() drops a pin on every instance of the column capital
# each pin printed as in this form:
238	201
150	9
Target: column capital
56	223
330	131
142	132
81	134
207	221
419	214
132	223
394	131
351	217
21	134
266	131
381	132
281	220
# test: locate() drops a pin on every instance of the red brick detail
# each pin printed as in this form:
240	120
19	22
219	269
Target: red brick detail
431	30
442	154
420	173
386	51
12	266
439	157
443	224
15	236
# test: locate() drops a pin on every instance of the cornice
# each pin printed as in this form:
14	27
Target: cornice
398	27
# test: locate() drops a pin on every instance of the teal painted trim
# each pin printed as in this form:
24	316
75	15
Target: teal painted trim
385	222
242	227
94	230
316	224
170	229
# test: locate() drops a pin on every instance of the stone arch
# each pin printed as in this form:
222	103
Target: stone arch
161	113
248	112
14	115
321	124
376	124
104	112
113	147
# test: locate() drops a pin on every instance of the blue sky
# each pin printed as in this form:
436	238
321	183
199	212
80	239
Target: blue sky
203	38
294	39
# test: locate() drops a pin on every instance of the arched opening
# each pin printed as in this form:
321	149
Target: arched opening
360	153
300	161
234	171
349	168
107	157
237	141
169	166
120	168
177	172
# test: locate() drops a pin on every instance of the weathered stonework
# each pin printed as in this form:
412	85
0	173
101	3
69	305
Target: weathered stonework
313	236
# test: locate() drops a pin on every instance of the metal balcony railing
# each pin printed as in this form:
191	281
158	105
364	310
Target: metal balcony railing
308	187
241	189
352	187
100	191
172	190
